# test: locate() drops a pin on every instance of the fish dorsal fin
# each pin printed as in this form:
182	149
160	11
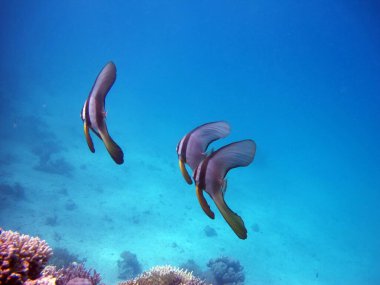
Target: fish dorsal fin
233	155
104	81
201	137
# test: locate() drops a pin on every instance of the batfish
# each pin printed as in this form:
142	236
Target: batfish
94	115
192	147
210	176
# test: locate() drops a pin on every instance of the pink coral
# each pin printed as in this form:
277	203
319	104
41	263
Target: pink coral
77	271
79	281
22	257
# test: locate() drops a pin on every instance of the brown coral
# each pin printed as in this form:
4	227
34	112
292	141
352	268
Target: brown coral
22	257
165	275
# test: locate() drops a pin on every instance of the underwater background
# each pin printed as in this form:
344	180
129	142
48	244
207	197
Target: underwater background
301	78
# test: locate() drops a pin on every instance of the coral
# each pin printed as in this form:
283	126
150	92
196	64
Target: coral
79	281
191	266
51	220
129	266
15	191
23	260
47	151
63	258
209	231
255	228
11	192
70	205
48	280
21	257
56	166
48	277
165	275
226	271
74	270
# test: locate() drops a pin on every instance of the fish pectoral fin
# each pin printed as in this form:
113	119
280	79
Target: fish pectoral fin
202	201
88	137
224	187
234	220
113	149
184	172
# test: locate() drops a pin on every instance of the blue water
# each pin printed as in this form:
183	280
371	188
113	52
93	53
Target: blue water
301	78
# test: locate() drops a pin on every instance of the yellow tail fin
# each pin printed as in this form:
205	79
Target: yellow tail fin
234	220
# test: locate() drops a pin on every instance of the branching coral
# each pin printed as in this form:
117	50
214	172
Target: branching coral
76	271
165	275
21	257
23	260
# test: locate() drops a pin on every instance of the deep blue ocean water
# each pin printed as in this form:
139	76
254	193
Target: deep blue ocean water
301	78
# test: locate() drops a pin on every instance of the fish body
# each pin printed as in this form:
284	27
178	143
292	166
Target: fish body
191	149
93	113
210	175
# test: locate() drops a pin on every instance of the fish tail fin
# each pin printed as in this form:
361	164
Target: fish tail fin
234	220
113	149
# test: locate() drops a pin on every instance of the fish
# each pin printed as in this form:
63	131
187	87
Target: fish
191	149
210	176
93	113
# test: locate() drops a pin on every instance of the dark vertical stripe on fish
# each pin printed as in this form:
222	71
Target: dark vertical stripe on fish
87	112
184	146
99	113
202	173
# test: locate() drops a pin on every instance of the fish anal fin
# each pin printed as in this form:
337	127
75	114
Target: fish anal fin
233	220
184	172
202	201
88	137
113	149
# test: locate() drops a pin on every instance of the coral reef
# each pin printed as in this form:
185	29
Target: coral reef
23	261
165	275
225	271
129	266
21	257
